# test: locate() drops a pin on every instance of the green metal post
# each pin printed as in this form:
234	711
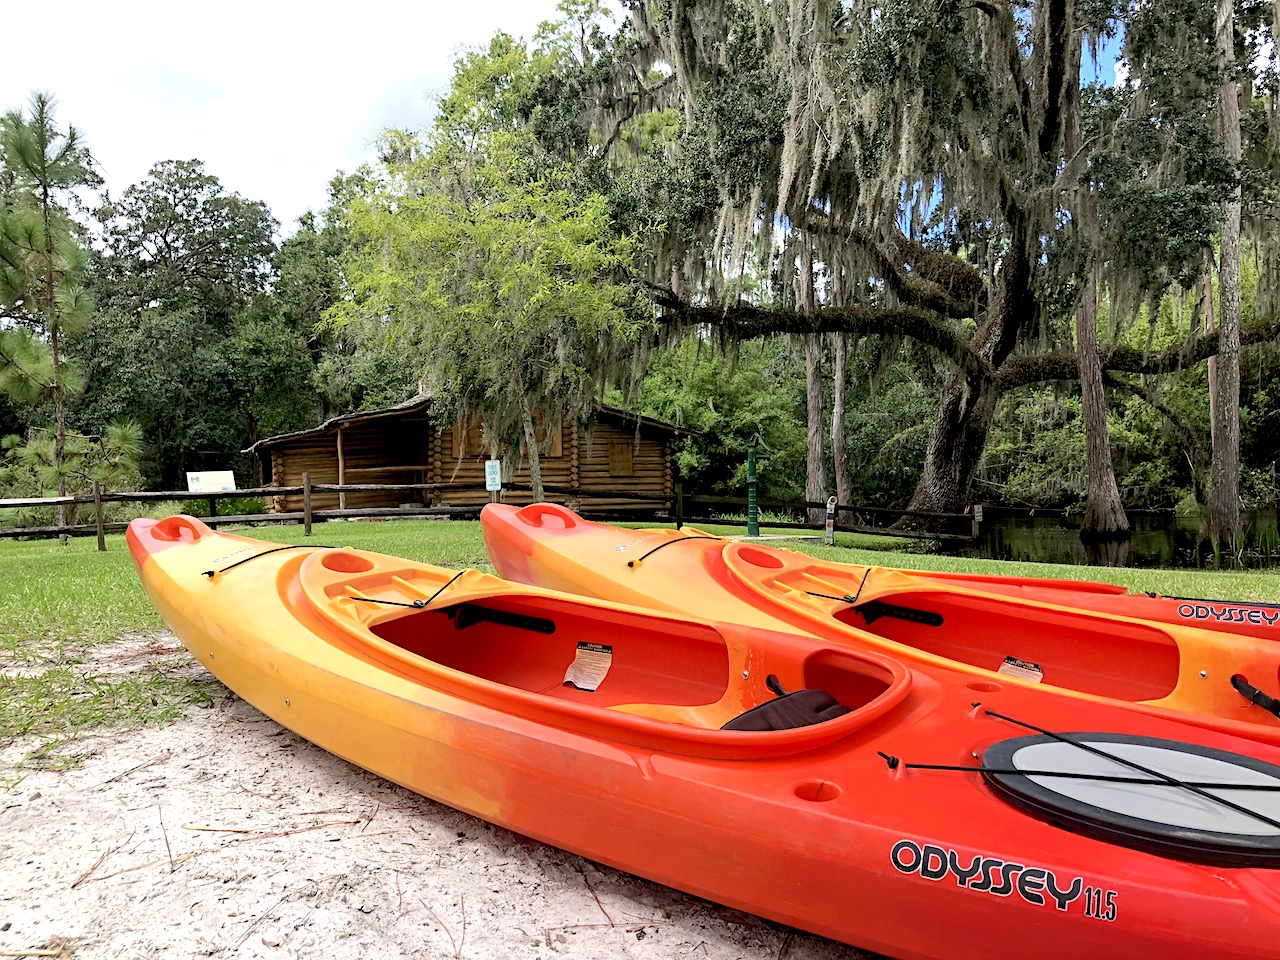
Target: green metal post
753	509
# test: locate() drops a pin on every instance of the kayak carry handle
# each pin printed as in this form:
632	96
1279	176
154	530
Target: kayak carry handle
1254	695
537	515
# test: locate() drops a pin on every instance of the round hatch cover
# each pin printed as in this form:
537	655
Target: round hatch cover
1117	791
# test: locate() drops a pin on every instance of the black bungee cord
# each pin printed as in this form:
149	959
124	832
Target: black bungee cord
1161	779
667	543
416	604
296	546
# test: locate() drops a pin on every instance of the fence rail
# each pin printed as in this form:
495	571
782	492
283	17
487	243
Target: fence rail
680	508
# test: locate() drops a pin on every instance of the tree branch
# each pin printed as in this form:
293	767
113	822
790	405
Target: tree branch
744	322
1022	371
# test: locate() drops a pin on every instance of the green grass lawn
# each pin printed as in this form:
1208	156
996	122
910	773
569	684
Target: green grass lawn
57	603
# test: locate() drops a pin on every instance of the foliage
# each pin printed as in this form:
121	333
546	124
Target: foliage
42	264
889	404
189	341
30	469
178	239
476	252
42	252
731	402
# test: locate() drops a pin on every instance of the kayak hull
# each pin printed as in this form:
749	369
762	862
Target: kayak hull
814	830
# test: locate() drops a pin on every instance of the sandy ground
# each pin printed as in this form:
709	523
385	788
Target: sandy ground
223	834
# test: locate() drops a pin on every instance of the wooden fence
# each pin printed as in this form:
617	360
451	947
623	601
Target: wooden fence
678	509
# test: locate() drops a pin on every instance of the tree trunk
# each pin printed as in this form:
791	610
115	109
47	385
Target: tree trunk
839	449
815	484
531	445
50	309
1206	310
1104	517
1222	513
967	406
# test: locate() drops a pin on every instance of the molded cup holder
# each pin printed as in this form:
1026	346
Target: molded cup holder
984	686
175	529
343	562
817	791
760	558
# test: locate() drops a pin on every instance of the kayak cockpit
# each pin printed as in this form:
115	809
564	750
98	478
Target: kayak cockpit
1075	649
532	646
617	672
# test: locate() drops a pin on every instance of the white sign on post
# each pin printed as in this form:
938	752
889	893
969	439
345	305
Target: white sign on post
493	475
211	481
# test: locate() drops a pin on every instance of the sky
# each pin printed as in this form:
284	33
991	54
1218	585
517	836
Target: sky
274	97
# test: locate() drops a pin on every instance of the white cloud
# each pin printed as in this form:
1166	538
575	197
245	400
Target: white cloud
274	97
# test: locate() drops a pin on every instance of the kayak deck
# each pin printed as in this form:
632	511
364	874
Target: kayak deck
1089	642
660	680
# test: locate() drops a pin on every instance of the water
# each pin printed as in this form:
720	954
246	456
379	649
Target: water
1160	539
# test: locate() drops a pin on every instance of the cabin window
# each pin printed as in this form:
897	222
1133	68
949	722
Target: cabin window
622	460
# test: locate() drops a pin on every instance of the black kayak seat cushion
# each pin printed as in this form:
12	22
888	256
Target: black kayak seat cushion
800	709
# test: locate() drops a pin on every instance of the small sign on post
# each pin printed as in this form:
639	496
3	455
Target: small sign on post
493	478
831	522
211	481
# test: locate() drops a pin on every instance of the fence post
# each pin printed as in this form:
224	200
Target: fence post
97	517
753	509
306	504
679	504
213	506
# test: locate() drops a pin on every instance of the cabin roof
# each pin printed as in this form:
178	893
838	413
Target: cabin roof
422	403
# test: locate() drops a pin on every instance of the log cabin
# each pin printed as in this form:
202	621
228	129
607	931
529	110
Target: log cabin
603	464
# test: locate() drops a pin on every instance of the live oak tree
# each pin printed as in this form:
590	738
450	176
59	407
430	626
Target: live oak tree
932	151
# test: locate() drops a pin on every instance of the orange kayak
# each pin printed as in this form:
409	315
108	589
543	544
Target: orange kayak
903	808
1003	630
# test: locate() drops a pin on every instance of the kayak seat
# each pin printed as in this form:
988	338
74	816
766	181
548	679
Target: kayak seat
803	708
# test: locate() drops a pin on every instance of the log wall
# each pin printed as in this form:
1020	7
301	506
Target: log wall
607	456
386	450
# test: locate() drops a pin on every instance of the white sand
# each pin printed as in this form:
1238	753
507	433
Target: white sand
223	834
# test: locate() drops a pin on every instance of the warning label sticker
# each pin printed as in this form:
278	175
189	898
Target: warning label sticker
590	666
1022	669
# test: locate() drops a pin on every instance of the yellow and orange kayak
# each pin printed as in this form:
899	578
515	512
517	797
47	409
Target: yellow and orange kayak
1004	630
907	809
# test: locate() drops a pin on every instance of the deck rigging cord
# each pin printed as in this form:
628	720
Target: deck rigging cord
846	598
416	604
1162	779
667	543
895	762
1244	604
296	546
873	610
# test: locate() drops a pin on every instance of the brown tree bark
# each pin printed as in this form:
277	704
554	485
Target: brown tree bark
839	448
531	447
1222	512
815	483
967	407
1104	517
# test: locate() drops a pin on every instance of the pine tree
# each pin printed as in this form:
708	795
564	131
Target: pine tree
42	252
